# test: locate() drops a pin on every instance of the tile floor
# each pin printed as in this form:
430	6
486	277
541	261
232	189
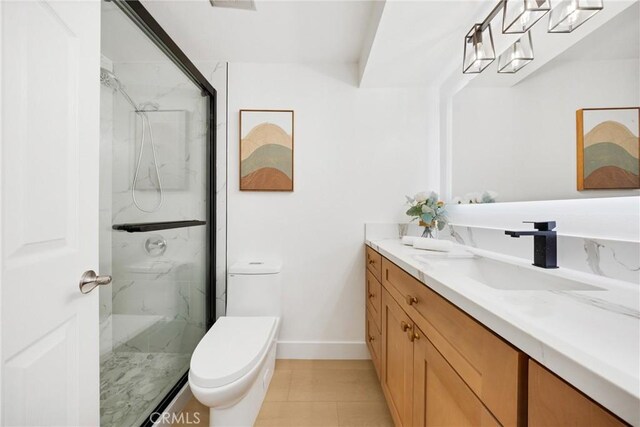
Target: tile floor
132	383
324	393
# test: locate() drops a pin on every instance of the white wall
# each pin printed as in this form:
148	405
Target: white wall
521	141
357	153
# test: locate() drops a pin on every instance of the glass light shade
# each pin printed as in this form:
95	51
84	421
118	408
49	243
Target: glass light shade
517	56
478	49
567	15
520	15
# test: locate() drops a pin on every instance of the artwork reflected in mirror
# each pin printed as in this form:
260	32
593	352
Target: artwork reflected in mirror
266	150
515	134
608	145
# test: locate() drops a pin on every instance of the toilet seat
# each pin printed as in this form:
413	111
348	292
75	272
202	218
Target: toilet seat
231	349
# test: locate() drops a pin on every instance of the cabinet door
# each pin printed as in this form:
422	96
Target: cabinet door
397	361
374	297
374	262
373	340
440	397
486	363
553	403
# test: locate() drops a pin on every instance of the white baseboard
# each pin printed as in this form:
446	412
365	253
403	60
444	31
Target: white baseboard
168	417
338	350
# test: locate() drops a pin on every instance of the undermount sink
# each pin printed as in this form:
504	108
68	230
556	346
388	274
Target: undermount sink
505	276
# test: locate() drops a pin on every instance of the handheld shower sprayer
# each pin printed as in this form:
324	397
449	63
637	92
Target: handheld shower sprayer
108	79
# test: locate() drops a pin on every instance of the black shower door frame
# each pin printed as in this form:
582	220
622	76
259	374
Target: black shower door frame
143	19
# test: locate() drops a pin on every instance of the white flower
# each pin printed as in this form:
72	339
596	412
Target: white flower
421	197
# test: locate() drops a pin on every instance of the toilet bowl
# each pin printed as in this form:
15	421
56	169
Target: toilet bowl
233	364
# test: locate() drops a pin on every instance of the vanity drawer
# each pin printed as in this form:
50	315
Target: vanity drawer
374	298
374	263
487	364
374	338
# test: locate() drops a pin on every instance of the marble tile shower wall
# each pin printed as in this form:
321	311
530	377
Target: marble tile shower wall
216	72
616	259
167	290
106	136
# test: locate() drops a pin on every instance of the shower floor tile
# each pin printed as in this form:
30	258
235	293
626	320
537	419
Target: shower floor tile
133	383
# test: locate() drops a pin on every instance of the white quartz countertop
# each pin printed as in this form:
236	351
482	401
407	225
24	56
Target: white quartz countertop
591	339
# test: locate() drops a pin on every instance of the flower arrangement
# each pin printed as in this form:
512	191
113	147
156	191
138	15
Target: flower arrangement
474	198
428	210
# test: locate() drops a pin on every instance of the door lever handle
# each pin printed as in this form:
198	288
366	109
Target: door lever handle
90	280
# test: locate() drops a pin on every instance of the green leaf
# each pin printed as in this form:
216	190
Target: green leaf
414	211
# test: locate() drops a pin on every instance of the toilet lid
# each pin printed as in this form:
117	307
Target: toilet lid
230	349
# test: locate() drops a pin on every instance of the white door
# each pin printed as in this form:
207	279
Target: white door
49	133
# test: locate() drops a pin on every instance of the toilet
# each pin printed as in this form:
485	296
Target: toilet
232	366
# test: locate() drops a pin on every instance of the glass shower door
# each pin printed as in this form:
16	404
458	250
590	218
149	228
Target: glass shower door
153	211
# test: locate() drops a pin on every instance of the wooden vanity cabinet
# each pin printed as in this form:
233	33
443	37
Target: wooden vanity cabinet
397	361
440	367
489	366
374	341
420	386
553	402
440	396
373	298
374	263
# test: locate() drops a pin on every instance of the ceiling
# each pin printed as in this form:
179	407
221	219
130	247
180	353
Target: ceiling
417	43
609	34
617	39
395	42
304	31
405	42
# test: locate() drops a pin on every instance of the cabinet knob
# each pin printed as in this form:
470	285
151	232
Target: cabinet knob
372	295
413	335
405	326
371	261
411	300
371	339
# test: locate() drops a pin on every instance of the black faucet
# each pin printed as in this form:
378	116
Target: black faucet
545	245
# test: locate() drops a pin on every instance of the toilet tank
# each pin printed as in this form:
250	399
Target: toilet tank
254	288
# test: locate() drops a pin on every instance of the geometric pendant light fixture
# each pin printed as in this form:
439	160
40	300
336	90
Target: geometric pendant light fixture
520	15
478	49
517	56
567	15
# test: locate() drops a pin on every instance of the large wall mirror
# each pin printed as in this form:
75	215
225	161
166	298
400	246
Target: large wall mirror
521	141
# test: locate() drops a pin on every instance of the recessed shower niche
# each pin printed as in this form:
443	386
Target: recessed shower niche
156	146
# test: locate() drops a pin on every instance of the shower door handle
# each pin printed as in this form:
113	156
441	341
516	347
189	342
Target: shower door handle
90	280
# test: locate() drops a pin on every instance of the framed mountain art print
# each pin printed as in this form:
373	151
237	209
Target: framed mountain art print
266	150
608	143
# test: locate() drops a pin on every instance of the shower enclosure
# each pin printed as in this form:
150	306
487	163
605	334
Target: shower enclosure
156	215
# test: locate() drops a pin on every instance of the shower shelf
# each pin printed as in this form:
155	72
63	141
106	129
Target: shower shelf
141	227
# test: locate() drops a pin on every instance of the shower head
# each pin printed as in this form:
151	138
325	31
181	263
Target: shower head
109	79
